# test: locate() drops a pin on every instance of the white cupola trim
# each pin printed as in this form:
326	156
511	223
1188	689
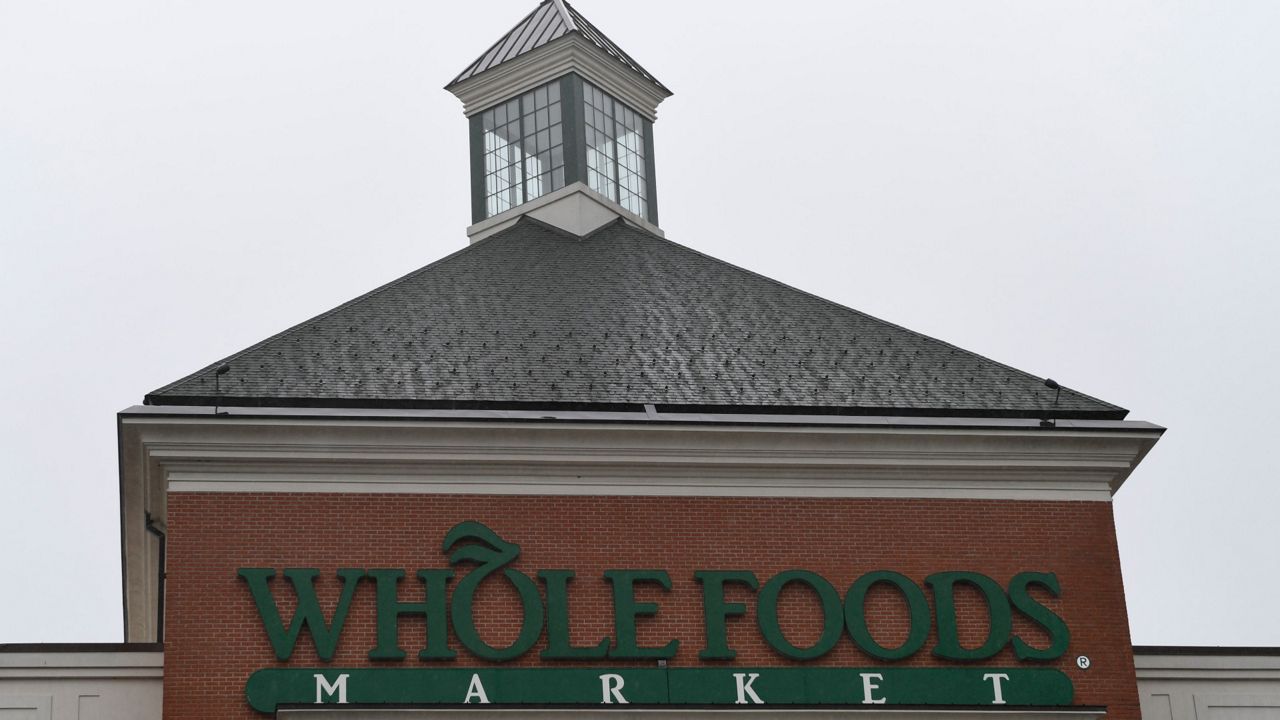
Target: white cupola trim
569	54
561	127
549	42
576	209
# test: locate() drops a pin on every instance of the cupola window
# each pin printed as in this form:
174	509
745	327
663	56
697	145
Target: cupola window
615	150
560	126
523	149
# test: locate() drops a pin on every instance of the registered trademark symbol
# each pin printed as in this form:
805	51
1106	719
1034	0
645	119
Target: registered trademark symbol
1083	662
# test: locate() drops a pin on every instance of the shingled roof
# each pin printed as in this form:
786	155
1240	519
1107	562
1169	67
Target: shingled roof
533	317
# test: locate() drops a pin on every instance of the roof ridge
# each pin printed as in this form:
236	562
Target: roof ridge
619	220
586	29
322	316
548	23
869	316
566	15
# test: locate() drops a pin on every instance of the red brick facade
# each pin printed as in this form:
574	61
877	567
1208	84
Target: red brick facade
215	639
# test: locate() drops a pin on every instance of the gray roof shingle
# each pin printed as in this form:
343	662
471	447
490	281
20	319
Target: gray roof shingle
533	317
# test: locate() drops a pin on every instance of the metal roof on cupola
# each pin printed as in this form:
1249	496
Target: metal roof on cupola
561	128
550	21
553	39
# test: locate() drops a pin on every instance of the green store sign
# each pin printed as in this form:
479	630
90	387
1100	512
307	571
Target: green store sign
269	689
471	543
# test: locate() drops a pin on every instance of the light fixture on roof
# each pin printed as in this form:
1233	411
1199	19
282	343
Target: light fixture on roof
1052	385
223	369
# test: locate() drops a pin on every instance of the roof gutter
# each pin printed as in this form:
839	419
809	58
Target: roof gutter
648	414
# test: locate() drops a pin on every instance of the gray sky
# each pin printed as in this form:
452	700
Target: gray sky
1084	190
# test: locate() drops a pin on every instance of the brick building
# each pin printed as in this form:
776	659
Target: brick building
576	466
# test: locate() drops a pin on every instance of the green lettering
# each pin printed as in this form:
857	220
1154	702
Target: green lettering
855	615
558	645
715	610
1059	635
626	610
432	608
472	542
999	615
308	613
832	614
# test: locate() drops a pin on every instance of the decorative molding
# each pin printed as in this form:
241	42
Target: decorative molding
234	455
285	484
303	450
63	665
571	53
1209	667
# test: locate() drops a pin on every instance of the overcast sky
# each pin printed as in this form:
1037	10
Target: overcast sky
1088	191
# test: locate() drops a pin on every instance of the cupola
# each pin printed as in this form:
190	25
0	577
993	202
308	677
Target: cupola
561	123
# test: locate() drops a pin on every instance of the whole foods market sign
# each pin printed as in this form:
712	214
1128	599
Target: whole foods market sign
544	606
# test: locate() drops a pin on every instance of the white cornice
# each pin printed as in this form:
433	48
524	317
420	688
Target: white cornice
60	665
289	455
1215	666
571	53
175	450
